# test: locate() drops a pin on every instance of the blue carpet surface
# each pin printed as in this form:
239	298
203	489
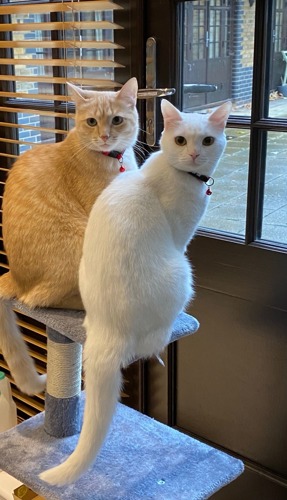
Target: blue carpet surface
141	459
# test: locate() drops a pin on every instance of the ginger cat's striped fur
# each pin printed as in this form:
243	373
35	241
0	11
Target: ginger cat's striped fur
48	197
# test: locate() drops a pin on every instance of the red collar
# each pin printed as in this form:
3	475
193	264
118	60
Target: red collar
118	155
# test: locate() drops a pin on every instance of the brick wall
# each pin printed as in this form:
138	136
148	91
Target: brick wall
243	40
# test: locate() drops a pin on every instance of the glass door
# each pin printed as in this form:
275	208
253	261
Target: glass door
227	382
208	52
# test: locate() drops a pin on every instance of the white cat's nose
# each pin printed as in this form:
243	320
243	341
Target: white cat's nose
194	156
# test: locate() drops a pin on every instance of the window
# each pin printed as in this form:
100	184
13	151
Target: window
42	46
219	41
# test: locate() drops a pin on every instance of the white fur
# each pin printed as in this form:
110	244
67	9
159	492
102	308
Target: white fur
134	276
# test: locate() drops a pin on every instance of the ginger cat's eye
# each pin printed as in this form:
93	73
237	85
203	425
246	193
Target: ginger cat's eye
92	122
180	140
208	141
117	120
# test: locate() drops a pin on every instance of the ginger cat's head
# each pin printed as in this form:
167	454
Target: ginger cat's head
194	141
107	121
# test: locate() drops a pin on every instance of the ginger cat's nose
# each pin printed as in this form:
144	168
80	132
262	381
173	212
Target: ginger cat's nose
104	137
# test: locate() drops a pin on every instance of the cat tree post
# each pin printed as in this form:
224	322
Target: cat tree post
63	392
141	458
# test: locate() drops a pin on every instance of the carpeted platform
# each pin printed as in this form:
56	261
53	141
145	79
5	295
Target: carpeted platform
70	322
141	459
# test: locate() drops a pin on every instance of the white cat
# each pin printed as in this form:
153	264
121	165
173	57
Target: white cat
134	276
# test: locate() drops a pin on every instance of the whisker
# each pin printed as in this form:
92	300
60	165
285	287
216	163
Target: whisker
142	130
139	147
78	150
156	146
140	155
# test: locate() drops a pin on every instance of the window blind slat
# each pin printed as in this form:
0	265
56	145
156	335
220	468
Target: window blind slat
43	8
27	400
36	112
2	264
45	79
77	81
41	97
73	63
61	25
33	328
32	127
25	409
34	342
37	355
14	141
59	44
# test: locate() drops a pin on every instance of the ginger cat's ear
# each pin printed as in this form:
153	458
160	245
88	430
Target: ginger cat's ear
128	92
170	114
220	116
80	95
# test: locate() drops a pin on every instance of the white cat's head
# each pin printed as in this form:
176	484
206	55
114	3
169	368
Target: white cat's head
194	142
107	120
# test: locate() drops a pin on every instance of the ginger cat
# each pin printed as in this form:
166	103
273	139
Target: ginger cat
47	200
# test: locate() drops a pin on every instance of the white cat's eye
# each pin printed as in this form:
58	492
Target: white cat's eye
208	141
117	120
180	140
92	122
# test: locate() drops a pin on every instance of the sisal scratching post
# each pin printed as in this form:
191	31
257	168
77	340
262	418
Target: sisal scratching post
62	415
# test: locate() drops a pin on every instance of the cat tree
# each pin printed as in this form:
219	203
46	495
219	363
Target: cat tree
141	458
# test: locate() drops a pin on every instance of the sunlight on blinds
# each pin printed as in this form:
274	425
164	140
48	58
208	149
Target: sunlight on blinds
45	45
42	46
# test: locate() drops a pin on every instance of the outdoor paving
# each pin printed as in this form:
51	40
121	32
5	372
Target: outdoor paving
227	208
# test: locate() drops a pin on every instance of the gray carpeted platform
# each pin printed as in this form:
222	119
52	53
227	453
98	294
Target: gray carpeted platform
69	322
141	459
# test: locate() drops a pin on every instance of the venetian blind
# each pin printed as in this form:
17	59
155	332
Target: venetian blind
42	46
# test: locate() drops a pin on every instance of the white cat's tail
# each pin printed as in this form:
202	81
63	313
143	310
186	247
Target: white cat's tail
16	354
102	363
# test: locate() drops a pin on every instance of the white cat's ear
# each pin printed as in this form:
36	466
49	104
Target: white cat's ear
79	95
170	114
129	92
220	116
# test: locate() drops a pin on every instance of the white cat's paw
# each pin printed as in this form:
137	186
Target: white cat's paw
35	386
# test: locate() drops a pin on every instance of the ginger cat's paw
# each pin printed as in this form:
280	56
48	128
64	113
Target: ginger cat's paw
35	386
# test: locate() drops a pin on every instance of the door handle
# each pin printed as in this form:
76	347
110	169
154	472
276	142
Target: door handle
198	88
151	91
